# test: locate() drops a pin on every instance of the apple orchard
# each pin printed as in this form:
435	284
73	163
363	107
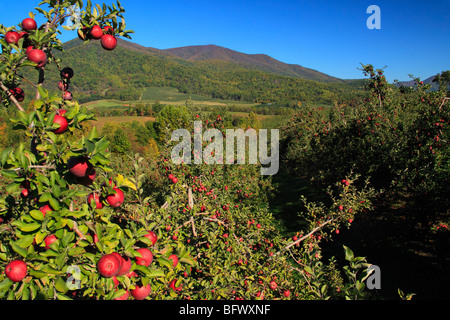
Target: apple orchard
78	223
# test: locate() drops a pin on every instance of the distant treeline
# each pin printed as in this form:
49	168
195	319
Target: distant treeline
150	110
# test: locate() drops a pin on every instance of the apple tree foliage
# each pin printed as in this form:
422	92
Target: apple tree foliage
38	176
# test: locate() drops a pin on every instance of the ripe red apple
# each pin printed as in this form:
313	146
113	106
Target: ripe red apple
172	285
63	86
118	256
116	199
108	42
16	270
49	240
29	24
67	73
24	193
63	124
89	178
94	196
152	237
37	56
286	293
126	266
108	30
18	93
175	180
67	95
272	285
28	49
146	257
79	166
45	209
12	37
108	265
141	292
174	259
96	32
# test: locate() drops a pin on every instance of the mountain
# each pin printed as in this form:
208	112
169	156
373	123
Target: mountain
125	72
260	62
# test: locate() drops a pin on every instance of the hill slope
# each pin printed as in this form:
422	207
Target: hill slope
260	62
124	73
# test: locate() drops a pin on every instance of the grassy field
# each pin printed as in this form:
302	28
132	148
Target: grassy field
167	95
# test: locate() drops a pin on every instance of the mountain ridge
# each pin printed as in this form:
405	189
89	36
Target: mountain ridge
257	61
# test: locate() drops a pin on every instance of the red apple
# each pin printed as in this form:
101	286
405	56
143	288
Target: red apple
118	256
286	293
28	49
108	265
89	178
108	30
79	166
172	285
108	42
24	193
141	292
49	240
96	32
29	24
272	285
37	56
96	198
63	124
152	237
67	73
116	199
63	86
16	270
18	93
146	257
12	37
45	209
174	259
67	95
126	266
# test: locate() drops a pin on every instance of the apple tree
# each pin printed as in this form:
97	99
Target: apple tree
68	230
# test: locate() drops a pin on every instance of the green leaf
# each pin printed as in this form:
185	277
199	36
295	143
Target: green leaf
43	92
165	263
348	254
5	284
19	250
37	273
187	261
62	297
308	269
60	285
37	215
25	242
26	227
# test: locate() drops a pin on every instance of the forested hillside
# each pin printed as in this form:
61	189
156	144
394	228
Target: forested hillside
124	73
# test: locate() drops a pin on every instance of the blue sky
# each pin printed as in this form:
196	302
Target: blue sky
329	36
